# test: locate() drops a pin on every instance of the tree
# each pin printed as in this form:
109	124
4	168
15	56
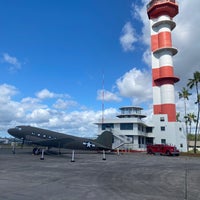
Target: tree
177	117
185	95
191	84
189	118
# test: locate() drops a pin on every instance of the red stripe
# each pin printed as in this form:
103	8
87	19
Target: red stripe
161	40
163	75
162	72
169	109
164	39
154	42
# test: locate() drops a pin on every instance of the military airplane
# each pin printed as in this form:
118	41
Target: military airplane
47	138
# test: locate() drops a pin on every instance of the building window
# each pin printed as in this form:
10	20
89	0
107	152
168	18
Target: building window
107	126
162	119
163	141
148	129
162	128
149	140
126	126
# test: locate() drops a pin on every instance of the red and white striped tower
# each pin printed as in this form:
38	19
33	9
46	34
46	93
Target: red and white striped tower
161	13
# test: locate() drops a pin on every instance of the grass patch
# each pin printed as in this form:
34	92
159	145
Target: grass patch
190	154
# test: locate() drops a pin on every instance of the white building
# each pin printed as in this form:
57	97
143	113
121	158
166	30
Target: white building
165	132
132	133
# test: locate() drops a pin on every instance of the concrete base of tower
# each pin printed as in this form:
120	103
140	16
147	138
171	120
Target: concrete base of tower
169	132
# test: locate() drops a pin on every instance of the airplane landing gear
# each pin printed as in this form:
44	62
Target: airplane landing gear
36	151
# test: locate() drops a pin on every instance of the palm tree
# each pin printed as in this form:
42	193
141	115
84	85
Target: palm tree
195	83
189	118
185	95
177	117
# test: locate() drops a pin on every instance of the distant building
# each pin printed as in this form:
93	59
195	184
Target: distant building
191	145
4	141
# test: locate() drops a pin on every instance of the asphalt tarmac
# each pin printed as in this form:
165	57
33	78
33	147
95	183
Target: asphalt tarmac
130	176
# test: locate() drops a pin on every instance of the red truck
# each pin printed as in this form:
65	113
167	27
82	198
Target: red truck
162	149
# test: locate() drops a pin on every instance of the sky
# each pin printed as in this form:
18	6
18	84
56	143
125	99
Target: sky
60	61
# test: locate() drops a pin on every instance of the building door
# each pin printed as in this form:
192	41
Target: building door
142	142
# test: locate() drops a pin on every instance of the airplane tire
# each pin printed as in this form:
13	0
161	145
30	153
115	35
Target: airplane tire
36	151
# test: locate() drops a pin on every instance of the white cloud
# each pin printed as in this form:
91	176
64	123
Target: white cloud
9	109
107	96
30	100
29	104
64	104
39	115
136	84
128	37
31	111
7	91
45	94
185	38
12	61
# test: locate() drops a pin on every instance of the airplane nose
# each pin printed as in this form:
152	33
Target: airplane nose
16	132
11	131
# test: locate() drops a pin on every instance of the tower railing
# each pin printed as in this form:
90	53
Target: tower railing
153	2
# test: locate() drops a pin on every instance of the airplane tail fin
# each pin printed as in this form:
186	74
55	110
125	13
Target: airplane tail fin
105	139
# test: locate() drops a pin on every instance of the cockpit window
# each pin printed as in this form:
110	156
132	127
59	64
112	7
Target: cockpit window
18	128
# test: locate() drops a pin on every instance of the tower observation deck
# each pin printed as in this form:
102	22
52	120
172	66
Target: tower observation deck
155	8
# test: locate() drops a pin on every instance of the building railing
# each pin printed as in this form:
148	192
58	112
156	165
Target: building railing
153	2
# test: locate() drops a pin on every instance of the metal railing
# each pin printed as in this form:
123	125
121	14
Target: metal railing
152	2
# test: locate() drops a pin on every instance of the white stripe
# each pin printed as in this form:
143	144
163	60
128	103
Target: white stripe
164	19
167	94
155	61
164	28
165	58
156	95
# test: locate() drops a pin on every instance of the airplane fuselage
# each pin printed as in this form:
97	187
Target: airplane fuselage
49	139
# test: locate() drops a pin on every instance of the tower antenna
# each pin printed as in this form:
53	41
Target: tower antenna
102	97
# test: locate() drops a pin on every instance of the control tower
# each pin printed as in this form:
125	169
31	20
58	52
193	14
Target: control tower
161	14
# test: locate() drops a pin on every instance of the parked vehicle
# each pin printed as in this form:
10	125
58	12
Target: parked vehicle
163	149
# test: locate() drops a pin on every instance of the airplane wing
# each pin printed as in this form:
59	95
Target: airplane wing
58	143
72	143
